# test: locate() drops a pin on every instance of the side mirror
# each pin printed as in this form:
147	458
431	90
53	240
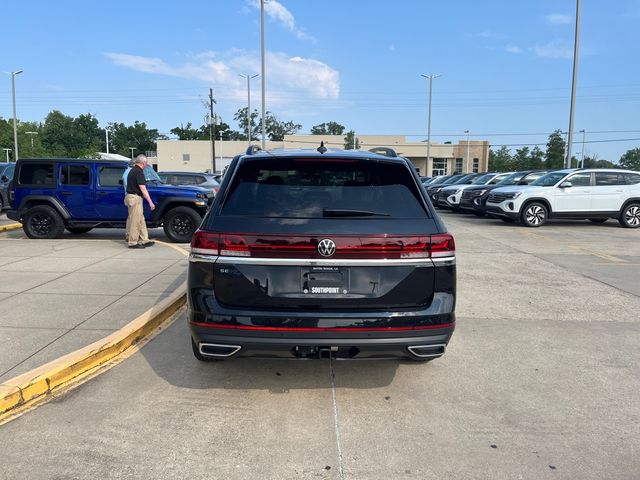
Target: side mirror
4	179
120	182
566	185
523	182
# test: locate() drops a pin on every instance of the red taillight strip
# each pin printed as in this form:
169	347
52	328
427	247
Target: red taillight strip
319	329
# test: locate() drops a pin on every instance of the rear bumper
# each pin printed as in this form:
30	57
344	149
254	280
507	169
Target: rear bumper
414	345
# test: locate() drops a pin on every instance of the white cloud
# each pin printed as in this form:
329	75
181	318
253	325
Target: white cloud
281	14
512	49
491	35
554	49
392	47
290	75
559	19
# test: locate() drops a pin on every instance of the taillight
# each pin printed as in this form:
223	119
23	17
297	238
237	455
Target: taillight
442	246
346	247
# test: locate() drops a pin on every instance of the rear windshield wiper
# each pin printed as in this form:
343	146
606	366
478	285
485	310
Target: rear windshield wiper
334	212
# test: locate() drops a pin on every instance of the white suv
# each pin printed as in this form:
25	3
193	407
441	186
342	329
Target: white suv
449	196
594	194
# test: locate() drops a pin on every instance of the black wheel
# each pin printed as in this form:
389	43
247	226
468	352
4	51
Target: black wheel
534	214
79	229
598	220
42	222
630	216
199	356
180	223
507	219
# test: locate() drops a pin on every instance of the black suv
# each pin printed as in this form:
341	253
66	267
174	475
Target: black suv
49	195
312	254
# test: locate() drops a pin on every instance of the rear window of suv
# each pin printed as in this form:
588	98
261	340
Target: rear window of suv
313	188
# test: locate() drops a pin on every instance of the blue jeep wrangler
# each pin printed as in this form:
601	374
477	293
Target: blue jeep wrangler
49	195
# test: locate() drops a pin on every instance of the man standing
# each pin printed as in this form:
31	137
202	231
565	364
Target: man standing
136	189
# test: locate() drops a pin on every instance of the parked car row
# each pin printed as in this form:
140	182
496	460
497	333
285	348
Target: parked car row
532	197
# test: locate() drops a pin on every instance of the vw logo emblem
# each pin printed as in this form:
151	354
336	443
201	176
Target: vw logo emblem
326	247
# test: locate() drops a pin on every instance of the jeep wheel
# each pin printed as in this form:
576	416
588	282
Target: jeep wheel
180	223
79	229
598	220
534	214
630	216
43	222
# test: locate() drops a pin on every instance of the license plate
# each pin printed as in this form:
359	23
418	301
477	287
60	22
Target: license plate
325	281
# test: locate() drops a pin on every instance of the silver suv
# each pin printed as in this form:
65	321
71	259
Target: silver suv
594	194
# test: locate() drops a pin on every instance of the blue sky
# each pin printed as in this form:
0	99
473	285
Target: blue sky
505	65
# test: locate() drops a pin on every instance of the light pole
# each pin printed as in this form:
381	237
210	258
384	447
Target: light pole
7	150
249	77
15	121
582	155
468	150
31	134
106	139
132	149
576	46
262	68
430	77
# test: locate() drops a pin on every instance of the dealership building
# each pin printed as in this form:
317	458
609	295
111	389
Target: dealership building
445	158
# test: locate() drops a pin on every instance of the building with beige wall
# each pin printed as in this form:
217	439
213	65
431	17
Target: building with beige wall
196	155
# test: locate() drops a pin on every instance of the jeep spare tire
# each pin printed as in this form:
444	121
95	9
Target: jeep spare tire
180	223
42	222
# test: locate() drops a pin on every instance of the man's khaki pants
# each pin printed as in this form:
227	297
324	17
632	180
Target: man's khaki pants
136	226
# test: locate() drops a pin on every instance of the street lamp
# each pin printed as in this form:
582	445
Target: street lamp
468	150
132	149
262	61
576	46
430	77
582	155
15	121
31	134
7	150
249	77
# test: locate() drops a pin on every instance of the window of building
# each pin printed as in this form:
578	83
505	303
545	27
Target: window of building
74	175
186	157
476	165
439	167
458	165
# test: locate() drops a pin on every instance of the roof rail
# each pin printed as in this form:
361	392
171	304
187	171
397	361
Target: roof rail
386	151
253	149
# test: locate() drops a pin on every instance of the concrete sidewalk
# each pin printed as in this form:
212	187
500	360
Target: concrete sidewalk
57	296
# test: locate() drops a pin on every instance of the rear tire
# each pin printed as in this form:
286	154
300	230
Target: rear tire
630	216
534	214
79	230
598	220
180	223
43	222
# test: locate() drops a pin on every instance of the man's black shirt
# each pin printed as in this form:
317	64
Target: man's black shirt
134	180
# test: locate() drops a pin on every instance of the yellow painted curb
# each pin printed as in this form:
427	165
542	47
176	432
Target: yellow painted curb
11	226
45	380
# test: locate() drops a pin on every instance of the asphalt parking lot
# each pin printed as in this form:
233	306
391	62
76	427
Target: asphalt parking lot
540	380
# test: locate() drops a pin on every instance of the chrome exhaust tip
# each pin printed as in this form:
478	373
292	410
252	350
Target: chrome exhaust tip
217	350
427	351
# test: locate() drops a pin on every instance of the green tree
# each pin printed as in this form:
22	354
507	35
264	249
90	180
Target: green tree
140	137
241	117
536	158
328	128
276	130
631	159
521	159
500	161
189	133
349	140
554	156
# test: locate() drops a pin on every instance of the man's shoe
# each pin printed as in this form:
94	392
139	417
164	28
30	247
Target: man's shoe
137	245
150	243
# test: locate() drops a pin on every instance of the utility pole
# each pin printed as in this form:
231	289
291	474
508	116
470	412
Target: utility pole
262	71
106	139
576	46
430	77
212	133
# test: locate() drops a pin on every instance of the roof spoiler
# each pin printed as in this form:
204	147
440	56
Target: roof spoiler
386	151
